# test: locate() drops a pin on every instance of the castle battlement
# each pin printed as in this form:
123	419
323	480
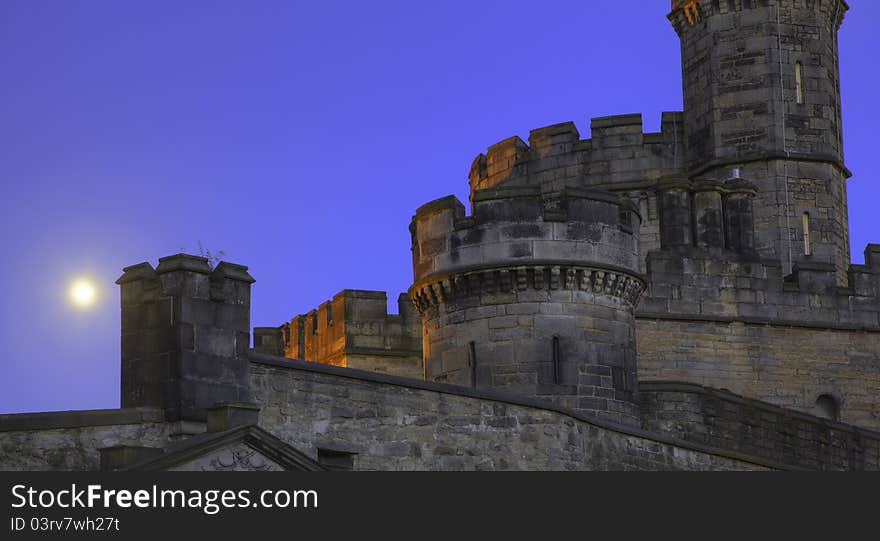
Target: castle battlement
352	330
619	154
693	13
864	280
710	286
525	226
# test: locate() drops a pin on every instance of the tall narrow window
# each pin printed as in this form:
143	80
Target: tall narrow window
799	81
472	362
557	360
808	238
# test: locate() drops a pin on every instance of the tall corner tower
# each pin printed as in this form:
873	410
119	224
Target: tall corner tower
762	95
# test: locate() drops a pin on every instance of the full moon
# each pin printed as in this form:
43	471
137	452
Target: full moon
83	293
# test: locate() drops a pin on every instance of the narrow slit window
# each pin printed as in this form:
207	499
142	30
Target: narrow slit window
472	362
557	359
799	81
808	238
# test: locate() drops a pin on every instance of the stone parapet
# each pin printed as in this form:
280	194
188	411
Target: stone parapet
699	283
729	421
352	330
619	154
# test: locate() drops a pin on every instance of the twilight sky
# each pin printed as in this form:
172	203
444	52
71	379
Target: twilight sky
298	137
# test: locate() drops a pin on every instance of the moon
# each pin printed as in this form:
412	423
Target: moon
83	293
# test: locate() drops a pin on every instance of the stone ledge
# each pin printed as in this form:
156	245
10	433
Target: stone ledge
382	352
769	156
184	262
75	419
770	322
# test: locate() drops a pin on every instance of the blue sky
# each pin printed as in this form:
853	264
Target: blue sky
297	137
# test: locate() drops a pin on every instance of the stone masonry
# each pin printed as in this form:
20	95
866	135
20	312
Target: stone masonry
353	330
680	300
534	293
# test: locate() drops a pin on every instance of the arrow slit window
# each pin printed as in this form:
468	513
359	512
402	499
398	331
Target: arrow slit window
808	241
799	82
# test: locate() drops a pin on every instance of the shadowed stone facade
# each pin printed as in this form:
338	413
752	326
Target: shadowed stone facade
678	300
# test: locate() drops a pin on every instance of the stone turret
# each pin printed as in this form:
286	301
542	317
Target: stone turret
533	294
185	334
761	85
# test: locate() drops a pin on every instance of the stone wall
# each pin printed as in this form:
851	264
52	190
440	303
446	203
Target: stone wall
69	440
723	419
725	322
707	283
785	365
391	423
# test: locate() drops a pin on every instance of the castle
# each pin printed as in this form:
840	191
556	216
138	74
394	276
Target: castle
675	300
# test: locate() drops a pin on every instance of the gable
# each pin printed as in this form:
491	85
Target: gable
234	457
248	448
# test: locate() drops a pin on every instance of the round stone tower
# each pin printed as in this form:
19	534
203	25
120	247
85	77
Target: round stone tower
761	85
532	294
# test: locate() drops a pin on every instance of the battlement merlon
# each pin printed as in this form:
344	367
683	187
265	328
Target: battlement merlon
524	227
619	155
864	280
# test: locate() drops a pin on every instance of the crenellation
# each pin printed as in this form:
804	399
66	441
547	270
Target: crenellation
674	300
355	330
618	155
